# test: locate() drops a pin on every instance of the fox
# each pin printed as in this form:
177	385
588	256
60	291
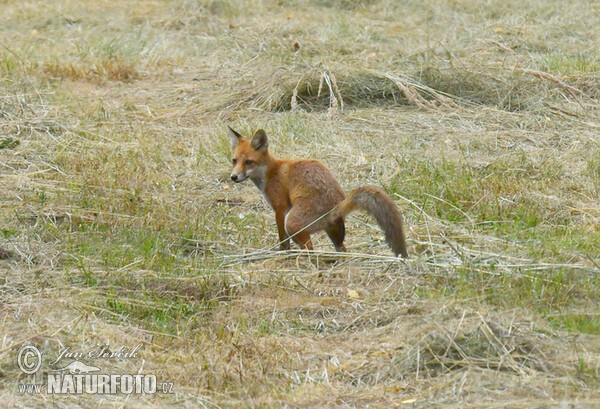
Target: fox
306	196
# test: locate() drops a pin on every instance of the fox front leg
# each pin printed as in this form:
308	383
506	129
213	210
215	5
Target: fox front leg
283	236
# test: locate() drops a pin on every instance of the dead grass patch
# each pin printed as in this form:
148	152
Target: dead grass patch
102	70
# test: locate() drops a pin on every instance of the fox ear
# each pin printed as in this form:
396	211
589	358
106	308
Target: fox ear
234	137
259	141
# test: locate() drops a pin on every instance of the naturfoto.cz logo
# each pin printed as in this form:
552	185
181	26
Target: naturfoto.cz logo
78	377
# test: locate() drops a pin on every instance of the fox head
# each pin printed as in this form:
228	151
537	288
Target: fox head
248	155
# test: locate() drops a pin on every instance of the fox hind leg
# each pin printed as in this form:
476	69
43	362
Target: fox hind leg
302	239
337	232
294	225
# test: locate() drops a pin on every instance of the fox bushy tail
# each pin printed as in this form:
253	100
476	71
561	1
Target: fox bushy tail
378	203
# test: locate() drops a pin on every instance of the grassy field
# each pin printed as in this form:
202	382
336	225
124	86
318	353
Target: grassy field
119	225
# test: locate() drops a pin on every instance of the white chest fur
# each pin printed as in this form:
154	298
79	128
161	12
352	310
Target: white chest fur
259	177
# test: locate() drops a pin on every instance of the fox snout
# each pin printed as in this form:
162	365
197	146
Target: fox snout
242	170
239	177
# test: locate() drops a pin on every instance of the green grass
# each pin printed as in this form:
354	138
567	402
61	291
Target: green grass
578	323
573	64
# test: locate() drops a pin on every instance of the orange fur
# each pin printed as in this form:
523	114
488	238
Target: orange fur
301	191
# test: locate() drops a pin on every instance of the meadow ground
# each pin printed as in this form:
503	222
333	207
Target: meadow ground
119	226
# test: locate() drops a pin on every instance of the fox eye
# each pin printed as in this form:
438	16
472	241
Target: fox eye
249	162
234	161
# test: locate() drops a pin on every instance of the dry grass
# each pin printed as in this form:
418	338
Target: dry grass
118	224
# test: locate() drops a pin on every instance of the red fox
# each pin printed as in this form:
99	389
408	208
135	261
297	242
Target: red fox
303	191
